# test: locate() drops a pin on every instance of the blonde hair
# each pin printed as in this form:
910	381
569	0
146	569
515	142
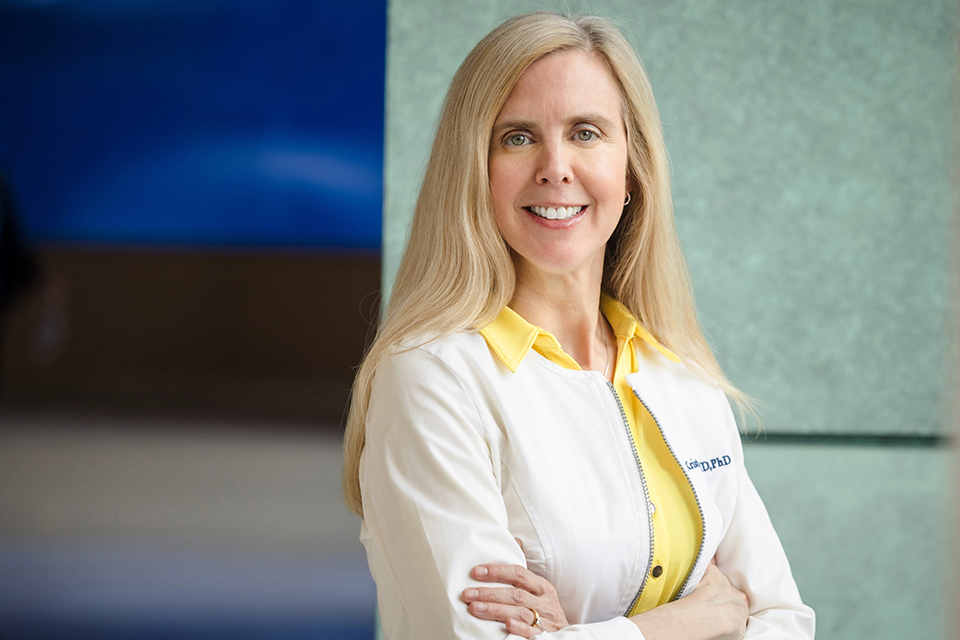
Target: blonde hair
456	273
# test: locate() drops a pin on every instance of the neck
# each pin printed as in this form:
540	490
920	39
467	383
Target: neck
568	306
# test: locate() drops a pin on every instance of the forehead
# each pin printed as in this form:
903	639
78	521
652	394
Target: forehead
564	83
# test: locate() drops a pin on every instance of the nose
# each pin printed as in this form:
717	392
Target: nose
555	164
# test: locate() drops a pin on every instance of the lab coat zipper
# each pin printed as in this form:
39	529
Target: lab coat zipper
646	494
703	522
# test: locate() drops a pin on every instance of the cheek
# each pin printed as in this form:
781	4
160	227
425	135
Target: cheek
503	185
613	175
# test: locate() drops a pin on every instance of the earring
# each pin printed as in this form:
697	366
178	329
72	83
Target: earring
629	196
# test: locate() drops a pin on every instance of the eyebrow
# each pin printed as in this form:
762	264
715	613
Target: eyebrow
596	118
514	124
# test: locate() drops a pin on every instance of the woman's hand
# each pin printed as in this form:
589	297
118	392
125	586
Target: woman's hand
514	605
715	610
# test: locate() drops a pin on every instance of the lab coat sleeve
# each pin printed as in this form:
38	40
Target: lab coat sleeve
430	481
752	558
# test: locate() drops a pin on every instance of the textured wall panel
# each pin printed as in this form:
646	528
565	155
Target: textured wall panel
866	533
810	144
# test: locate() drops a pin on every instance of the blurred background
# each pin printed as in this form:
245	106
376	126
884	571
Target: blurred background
190	269
210	195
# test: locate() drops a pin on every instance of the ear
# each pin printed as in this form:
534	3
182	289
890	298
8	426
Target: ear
629	191
629	185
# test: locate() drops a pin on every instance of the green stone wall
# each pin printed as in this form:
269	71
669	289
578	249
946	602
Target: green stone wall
811	146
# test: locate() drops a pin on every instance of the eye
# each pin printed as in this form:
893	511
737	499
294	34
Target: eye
585	135
517	140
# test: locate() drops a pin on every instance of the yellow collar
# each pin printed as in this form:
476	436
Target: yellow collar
511	337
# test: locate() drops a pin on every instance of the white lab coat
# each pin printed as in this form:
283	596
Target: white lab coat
462	456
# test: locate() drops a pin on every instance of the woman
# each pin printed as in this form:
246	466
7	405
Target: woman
511	395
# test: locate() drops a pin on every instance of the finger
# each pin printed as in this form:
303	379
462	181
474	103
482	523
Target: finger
501	595
522	629
501	613
512	574
519	543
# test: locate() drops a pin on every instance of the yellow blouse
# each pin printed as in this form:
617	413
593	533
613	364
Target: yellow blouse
677	527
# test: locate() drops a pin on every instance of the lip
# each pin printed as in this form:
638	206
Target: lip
556	224
553	204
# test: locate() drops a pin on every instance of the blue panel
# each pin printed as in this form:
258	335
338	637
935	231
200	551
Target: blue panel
255	122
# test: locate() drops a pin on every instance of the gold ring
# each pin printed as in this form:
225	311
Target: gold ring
536	618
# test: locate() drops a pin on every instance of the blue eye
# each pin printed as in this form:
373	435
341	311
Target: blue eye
585	135
517	140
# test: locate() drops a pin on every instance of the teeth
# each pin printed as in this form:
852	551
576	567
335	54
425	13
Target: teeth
556	213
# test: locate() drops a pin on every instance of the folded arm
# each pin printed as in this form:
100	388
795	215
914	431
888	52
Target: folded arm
433	510
751	594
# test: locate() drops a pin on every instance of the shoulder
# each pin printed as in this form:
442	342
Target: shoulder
424	399
683	398
433	373
656	370
455	356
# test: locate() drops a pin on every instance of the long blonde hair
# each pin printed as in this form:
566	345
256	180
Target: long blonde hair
456	273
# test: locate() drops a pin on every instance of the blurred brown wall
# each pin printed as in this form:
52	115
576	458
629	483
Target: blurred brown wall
266	334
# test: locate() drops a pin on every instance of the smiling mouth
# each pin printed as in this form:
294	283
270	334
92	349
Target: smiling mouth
555	213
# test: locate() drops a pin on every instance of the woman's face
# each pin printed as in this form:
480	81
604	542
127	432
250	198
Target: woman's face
558	164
